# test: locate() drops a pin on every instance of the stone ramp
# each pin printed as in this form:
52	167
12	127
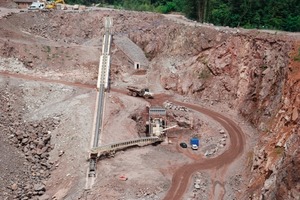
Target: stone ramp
131	50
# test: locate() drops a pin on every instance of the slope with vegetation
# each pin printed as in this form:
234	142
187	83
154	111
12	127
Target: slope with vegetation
267	14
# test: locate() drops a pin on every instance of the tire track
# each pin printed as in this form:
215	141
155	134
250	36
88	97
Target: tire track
46	80
182	175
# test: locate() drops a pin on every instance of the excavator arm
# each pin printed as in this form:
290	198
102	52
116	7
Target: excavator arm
52	4
60	1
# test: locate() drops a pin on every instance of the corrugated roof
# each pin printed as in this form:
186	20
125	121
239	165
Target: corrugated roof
23	1
155	110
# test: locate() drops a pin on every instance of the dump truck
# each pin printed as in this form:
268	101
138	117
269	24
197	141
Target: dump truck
138	92
194	143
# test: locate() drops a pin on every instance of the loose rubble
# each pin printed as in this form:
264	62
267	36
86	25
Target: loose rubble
32	139
201	186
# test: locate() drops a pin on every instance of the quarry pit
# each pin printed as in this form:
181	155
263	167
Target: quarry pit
48	76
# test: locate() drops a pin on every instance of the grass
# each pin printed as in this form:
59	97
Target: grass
48	49
297	57
279	150
204	74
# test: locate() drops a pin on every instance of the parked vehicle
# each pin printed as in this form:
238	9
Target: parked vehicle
194	143
183	145
37	6
54	4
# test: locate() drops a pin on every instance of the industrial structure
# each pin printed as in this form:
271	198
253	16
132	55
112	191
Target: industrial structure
157	127
110	149
102	88
157	120
157	123
23	4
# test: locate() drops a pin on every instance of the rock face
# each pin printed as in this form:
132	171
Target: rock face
253	72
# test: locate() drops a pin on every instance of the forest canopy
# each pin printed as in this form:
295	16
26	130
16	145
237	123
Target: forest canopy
261	14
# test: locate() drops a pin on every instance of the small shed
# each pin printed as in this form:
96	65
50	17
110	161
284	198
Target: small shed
23	4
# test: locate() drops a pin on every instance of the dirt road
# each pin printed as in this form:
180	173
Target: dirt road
182	175
46	80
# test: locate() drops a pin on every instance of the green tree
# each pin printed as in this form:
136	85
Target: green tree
274	14
197	9
191	9
220	15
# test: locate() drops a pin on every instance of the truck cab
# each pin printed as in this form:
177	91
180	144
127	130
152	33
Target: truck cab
146	93
194	147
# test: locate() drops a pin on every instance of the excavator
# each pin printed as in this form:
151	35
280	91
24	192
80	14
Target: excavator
44	4
53	4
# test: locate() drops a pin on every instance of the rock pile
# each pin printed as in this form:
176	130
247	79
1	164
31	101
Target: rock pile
140	124
32	139
201	185
222	141
213	149
180	114
260	157
171	106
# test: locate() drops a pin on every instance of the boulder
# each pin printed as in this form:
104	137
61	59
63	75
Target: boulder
39	187
44	197
295	114
14	187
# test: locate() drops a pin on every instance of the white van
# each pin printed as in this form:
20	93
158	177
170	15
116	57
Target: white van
37	6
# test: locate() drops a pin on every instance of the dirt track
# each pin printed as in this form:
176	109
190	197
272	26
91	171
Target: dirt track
181	178
42	79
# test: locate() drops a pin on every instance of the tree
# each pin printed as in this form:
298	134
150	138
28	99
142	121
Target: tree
220	15
197	9
274	14
191	9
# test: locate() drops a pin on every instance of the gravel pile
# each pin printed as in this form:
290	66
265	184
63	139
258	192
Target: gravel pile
29	140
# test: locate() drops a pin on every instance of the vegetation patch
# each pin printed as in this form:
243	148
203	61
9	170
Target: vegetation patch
268	14
297	57
204	74
47	49
279	150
